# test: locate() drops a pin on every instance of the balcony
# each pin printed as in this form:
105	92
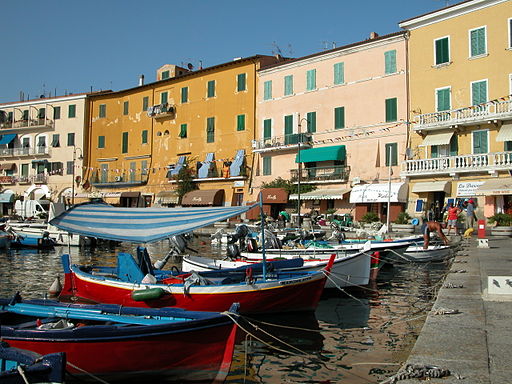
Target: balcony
7	180
25	124
453	165
120	181
282	143
482	113
24	151
322	175
161	111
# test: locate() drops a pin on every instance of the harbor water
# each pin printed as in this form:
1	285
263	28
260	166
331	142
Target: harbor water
358	335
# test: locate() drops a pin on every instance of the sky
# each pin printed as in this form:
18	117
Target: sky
74	46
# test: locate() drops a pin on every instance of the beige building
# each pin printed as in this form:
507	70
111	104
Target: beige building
347	107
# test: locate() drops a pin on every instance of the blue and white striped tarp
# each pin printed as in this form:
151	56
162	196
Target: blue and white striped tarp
139	225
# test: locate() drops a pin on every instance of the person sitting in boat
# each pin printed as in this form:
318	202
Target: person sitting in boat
432	226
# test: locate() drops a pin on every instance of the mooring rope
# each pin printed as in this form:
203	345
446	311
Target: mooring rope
87	373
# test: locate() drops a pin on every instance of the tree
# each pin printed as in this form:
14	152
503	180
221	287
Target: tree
185	180
289	185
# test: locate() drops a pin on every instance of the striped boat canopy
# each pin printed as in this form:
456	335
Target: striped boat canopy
139	225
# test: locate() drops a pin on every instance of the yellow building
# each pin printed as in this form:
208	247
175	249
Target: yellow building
138	139
460	61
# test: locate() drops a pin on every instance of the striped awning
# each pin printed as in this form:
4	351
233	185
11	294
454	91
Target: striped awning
505	133
139	225
432	186
493	187
437	139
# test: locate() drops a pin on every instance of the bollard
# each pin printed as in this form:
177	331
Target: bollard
481	229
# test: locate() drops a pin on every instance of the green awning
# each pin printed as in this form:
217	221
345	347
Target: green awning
334	152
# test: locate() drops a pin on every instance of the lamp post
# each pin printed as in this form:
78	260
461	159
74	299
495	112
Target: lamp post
299	165
75	149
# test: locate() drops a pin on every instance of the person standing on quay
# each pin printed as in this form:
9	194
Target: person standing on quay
453	214
470	214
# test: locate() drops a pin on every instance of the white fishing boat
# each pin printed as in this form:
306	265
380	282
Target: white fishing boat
432	253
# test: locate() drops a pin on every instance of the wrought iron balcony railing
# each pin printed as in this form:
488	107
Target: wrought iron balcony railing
335	173
25	151
279	143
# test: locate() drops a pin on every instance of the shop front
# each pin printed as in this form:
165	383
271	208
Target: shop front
497	193
274	201
431	196
169	198
375	198
204	197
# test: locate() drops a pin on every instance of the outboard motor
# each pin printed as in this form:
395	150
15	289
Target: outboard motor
233	251
178	245
241	232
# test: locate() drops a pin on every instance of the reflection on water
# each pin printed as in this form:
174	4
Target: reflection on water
357	336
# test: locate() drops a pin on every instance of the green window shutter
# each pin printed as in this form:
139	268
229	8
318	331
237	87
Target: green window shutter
56	140
443	100
132	171
211	89
434	150
480	142
390	62
56	113
454	146
267	129
288	124
101	141
145	136
478	42
71	139
267	90
125	108
339	117
25	114
442	51
124	148
72	111
103	110
339	73
164	96
267	166
240	81
479	92
165	75
144	167
41	113
145	103
391	110
184	95
288	85
311	118
393	148
507	146
183	131
240	123
210	130
24	170
311	80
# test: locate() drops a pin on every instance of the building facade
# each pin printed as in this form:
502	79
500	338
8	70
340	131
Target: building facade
460	60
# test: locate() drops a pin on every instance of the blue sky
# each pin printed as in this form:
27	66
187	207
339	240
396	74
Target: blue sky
71	46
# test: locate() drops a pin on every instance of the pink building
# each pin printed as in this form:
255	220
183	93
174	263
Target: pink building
347	108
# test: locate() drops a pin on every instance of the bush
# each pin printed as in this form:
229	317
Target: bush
403	218
370	217
501	219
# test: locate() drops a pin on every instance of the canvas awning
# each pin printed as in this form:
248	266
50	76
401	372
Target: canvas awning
492	187
139	225
213	197
432	186
167	197
333	152
321	194
505	133
274	196
130	194
437	139
378	193
7	197
7	166
6	139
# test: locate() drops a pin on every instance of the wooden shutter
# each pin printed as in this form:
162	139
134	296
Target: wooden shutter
339	73
240	124
339	117
311	118
391	110
454	146
442	51
125	142
390	61
267	129
443	99
288	85
479	92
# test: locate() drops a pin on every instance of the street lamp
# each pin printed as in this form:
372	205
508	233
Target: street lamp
75	149
299	165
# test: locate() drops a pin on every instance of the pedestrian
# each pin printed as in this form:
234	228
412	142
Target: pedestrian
432	226
470	214
453	214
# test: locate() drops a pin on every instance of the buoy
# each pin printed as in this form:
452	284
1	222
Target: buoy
147	294
55	288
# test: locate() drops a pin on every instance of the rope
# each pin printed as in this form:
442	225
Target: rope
87	373
22	374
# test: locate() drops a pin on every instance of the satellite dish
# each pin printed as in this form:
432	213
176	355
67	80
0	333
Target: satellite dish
190	66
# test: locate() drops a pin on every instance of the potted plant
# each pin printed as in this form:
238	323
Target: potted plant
502	224
401	224
368	219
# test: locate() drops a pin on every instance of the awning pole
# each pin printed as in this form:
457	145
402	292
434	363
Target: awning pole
389	187
263	237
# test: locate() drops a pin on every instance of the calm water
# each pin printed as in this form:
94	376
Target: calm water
358	336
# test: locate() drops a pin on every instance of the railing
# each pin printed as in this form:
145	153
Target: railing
282	142
322	174
7	179
24	151
496	109
122	180
30	123
458	164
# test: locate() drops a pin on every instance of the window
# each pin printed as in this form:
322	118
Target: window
56	113
25	114
510	33
210	130
454	146
101	141
133	169
164	96
41	113
71	111
391	154
184	95
507	146
145	103
69	167
311	80
241	82
211	89
339	117
24	170
267	129
103	110
56	140
56	168
288	129
165	75
41	143
477	42
390	62
125	108
311	118
442	51
391	110
480	142
339	73
267	166
267	90
144	167
288	85
443	99
71	139
240	123
183	131
124	148
144	139
104	173
478	92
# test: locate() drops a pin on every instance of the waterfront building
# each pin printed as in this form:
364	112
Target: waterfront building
140	138
346	108
460	60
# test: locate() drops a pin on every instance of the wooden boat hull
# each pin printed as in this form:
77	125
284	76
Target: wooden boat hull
197	349
433	253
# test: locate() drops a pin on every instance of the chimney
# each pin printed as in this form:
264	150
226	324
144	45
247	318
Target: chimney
141	80
373	35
